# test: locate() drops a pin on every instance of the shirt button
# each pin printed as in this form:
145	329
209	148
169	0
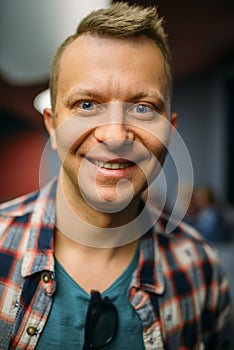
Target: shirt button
31	331
46	277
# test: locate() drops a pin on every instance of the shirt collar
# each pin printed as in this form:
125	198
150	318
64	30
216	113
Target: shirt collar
39	255
149	274
36	212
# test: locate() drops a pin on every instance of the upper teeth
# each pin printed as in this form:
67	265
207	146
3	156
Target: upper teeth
111	165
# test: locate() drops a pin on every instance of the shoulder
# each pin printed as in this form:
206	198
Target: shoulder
184	243
24	204
186	257
193	276
18	206
32	208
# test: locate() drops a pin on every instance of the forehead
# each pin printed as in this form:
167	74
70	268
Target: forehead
91	57
88	47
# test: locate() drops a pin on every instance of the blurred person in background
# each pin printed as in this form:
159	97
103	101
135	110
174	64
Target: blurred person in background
205	214
82	265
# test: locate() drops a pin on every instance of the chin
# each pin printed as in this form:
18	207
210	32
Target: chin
108	202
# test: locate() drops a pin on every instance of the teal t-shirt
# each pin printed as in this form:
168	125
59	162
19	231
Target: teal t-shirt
65	326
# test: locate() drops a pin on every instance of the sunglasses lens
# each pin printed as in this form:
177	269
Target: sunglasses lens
101	323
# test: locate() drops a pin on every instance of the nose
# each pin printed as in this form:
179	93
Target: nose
114	128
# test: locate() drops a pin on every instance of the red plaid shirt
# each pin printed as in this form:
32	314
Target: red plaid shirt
178	289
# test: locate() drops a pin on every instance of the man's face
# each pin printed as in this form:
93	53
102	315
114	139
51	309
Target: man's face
111	117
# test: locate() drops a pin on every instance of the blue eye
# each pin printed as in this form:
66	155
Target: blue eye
87	105
89	108
142	109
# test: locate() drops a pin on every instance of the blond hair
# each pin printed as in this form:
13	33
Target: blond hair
122	21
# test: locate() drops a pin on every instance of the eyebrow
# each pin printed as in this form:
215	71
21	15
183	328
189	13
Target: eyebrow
154	95
83	92
68	99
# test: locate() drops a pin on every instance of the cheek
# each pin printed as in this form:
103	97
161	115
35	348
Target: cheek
157	143
157	140
155	134
70	134
157	147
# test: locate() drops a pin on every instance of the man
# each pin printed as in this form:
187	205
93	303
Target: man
90	233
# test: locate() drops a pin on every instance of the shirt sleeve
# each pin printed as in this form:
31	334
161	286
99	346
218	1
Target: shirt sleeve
216	316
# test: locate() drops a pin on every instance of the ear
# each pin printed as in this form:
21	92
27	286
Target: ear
50	126
173	121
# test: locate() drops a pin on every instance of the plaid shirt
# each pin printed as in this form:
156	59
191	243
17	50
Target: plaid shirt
178	289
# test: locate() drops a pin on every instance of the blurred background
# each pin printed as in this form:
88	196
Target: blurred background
201	36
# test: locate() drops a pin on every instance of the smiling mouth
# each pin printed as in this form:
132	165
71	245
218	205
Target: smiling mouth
113	165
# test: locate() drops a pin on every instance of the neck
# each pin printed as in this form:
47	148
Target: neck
91	267
77	250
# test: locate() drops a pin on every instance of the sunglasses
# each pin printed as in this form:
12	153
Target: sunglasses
101	322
